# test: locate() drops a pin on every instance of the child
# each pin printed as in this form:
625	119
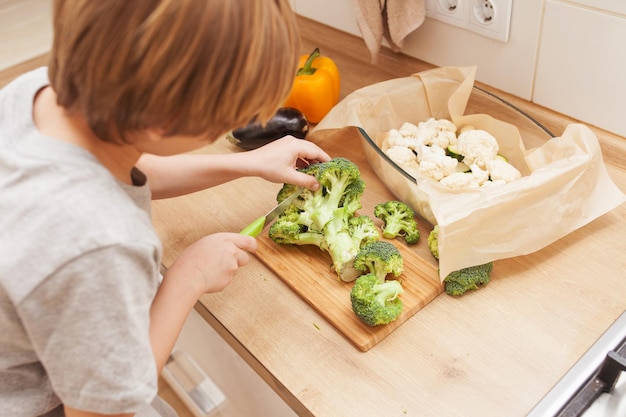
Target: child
85	324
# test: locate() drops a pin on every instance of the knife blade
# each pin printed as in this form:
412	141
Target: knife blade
256	227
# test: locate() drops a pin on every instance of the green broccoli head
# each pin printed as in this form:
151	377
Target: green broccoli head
380	258
285	231
341	185
471	278
285	191
363	230
324	217
376	303
433	242
398	220
463	280
349	234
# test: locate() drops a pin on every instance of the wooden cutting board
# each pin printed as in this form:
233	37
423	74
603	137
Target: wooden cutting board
307	269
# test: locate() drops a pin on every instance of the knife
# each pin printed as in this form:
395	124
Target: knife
256	227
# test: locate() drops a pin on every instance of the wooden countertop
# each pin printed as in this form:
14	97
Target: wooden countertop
495	352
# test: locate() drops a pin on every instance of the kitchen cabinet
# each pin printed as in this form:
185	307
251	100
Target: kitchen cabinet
495	352
245	394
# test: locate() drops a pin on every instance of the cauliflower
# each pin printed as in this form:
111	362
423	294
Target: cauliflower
459	180
395	138
501	170
409	130
430	153
477	147
437	132
480	175
402	156
434	163
432	149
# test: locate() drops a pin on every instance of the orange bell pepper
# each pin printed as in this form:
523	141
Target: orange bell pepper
315	89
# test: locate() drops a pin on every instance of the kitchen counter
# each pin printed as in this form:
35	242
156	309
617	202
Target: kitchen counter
494	352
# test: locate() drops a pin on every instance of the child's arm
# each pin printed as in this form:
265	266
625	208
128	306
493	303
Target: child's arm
207	266
171	176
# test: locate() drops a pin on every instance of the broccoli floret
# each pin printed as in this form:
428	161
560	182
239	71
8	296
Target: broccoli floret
380	258
363	230
398	220
465	279
327	217
288	232
341	187
433	242
286	191
376	303
470	278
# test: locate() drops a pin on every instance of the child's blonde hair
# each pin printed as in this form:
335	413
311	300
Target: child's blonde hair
189	67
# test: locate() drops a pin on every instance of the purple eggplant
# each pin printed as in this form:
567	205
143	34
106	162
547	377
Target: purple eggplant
286	121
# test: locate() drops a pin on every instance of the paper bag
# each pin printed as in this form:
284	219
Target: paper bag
564	186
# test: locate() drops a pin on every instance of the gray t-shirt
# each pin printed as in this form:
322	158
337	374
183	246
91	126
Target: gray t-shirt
79	267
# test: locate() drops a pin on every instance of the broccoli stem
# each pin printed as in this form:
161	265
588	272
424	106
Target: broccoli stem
342	253
387	291
391	231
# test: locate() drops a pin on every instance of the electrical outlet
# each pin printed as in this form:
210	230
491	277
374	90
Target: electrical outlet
451	11
490	18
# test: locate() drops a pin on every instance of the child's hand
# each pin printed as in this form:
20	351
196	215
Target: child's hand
210	264
278	160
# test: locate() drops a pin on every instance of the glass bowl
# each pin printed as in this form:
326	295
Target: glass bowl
404	186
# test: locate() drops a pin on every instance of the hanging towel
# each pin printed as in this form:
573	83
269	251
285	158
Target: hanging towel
392	20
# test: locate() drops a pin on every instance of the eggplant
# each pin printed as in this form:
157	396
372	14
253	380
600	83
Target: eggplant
286	121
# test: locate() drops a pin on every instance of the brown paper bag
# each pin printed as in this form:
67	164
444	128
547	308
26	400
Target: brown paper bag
565	184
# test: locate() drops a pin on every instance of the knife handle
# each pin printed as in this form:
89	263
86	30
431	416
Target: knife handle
254	228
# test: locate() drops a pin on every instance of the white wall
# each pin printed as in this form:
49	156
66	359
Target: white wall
569	56
25	30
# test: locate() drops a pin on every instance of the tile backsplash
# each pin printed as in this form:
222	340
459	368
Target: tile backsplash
565	55
581	65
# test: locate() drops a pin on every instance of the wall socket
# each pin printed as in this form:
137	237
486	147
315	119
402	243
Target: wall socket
490	18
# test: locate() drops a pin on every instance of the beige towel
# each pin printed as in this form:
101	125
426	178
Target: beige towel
392	20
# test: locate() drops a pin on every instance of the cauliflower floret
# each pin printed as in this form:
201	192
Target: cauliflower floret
408	130
427	128
395	138
441	125
500	170
431	169
459	180
446	125
480	175
477	147
402	156
444	139
430	153
439	132
434	163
